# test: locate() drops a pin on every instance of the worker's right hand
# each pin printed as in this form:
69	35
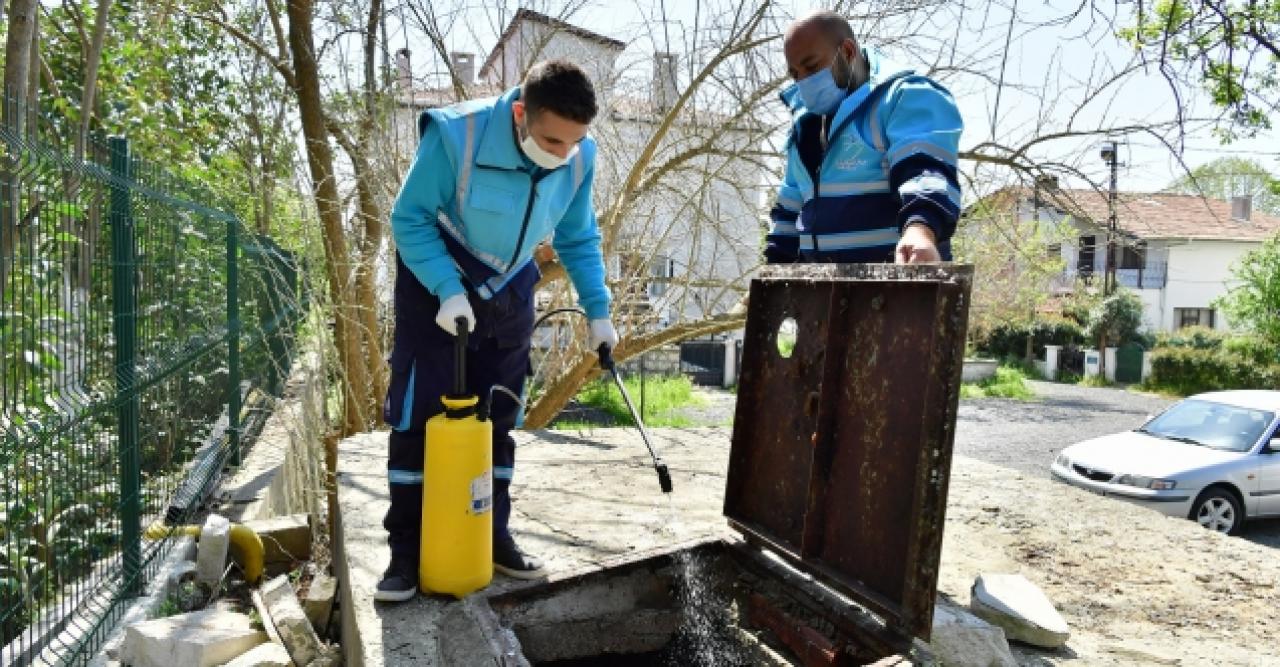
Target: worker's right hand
603	333
451	309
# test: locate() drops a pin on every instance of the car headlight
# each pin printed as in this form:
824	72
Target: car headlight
1062	460
1146	482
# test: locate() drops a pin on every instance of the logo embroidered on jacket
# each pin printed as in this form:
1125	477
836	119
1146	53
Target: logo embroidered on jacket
851	163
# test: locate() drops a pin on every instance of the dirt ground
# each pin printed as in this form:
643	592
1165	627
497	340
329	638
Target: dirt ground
1135	587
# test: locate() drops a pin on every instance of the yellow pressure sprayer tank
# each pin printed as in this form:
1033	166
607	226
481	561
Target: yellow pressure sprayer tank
457	492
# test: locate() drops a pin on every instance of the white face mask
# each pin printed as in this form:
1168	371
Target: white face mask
540	156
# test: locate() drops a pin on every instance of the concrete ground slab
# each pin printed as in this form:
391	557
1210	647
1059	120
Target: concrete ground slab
582	500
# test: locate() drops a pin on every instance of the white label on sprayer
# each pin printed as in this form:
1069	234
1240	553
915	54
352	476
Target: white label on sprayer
482	493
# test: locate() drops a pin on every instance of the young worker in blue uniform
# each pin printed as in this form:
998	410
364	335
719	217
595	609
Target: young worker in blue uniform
491	180
871	159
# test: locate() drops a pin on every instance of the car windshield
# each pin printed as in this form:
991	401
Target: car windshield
1210	424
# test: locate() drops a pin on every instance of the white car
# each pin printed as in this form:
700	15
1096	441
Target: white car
1213	458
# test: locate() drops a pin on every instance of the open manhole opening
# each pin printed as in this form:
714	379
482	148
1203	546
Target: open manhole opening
711	605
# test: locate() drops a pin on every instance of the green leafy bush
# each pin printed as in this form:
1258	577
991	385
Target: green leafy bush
1191	370
1197	338
1010	340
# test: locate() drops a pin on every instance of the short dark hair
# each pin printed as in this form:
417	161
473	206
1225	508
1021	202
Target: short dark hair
833	25
561	87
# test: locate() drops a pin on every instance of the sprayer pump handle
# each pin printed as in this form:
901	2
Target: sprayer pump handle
460	356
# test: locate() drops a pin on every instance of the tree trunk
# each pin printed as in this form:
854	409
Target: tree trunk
370	214
88	229
32	99
17	52
92	58
365	288
17	73
358	402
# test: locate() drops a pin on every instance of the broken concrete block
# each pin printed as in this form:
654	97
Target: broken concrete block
1021	608
332	658
286	540
199	639
960	638
211	554
291	622
269	654
319	602
182	573
265	615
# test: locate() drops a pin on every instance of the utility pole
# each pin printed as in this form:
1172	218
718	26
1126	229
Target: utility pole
1109	156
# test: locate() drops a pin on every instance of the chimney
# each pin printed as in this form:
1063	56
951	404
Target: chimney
1047	182
464	66
664	80
404	72
1241	207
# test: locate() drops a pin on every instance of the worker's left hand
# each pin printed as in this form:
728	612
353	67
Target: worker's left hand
917	245
602	332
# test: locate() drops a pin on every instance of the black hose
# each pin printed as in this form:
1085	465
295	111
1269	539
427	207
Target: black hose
538	322
608	364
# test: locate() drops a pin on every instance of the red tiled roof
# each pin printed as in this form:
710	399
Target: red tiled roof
1154	215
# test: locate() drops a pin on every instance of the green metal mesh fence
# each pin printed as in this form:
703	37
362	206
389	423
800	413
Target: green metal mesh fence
125	372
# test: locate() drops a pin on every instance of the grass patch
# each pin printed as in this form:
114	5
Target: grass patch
1096	381
1067	377
573	425
1154	390
663	398
1008	382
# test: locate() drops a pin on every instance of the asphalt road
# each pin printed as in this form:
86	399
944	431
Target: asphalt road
1027	435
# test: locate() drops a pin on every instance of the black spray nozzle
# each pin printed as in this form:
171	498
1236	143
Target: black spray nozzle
664	477
606	357
607	363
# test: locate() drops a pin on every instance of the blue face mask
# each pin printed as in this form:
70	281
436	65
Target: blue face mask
819	92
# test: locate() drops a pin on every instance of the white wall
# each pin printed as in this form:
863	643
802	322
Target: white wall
711	229
534	41
1199	272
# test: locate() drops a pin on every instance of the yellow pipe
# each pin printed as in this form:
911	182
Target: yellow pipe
247	546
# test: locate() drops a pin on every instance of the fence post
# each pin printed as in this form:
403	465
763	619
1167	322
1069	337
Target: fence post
233	339
124	317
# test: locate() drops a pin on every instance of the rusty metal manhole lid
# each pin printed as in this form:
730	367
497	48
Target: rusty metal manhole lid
841	453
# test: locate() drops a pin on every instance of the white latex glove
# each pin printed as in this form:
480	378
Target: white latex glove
602	331
451	309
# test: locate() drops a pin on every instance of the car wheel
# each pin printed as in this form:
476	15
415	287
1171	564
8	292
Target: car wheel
1217	509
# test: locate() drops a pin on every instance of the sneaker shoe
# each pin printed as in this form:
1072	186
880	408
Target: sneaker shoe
509	560
399	582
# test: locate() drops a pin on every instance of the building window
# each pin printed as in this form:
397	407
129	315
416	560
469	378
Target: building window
1132	258
661	271
1193	317
1084	261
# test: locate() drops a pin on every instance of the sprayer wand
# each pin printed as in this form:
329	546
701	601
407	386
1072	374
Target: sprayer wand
607	363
